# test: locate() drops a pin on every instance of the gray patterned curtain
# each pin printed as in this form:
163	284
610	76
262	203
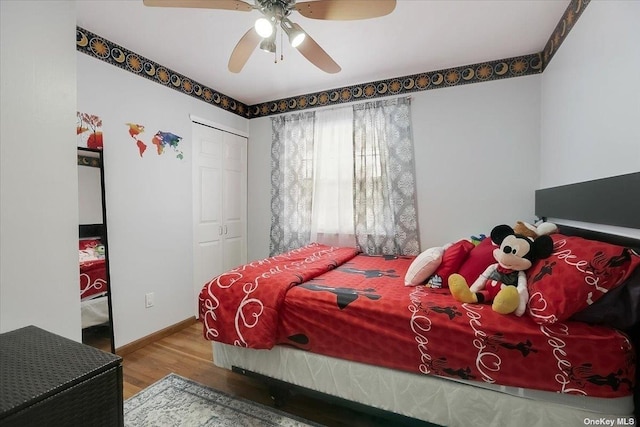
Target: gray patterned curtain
384	179
291	181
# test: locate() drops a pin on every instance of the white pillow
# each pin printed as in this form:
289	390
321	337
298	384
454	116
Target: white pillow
423	266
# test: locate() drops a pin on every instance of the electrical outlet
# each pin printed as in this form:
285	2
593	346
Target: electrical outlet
148	299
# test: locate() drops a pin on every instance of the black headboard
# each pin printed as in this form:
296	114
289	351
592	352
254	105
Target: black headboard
610	201
91	230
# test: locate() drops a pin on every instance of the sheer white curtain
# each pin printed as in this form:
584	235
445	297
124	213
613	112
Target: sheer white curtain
332	201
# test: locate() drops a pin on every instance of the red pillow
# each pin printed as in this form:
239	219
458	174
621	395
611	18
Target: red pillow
478	260
452	259
577	274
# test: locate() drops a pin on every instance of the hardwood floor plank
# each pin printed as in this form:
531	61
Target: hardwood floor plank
188	354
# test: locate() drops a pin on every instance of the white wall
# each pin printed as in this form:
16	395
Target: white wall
590	120
476	149
259	188
38	174
148	198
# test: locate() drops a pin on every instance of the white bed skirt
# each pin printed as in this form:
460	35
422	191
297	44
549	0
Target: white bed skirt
94	311
435	399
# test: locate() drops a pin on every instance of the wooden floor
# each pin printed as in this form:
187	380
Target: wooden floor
188	354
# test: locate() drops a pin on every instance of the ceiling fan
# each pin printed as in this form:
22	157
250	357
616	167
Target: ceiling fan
275	14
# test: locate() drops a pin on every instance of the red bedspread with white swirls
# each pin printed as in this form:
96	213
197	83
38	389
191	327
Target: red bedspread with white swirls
359	309
93	279
242	306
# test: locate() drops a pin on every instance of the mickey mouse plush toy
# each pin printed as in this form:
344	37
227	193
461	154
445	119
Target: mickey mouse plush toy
504	283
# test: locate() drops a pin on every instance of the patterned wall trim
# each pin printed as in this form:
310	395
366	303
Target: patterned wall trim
104	50
475	73
566	23
93	162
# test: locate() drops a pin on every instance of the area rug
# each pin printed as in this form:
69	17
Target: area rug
175	401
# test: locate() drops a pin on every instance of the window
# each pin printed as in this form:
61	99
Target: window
332	201
360	188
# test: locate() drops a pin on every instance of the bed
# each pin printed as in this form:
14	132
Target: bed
333	321
94	300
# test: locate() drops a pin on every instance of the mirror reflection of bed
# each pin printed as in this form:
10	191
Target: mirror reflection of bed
97	325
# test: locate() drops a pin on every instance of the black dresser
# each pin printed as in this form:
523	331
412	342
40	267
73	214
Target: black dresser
48	380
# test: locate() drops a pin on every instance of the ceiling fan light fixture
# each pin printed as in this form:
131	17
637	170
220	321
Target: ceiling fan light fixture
296	35
268	45
297	38
263	27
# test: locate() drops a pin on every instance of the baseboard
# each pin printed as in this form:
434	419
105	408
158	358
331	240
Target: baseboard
138	344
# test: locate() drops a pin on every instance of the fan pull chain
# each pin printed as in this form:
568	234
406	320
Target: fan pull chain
281	48
275	51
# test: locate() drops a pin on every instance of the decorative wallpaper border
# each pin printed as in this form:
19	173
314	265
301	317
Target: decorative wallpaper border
566	23
457	76
90	161
104	50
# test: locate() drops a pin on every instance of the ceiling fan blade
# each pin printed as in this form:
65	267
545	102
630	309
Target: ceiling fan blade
315	54
243	50
345	10
204	4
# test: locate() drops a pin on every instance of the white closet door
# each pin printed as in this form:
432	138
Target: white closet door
234	201
219	203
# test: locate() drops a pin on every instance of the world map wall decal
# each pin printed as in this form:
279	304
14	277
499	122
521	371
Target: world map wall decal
162	140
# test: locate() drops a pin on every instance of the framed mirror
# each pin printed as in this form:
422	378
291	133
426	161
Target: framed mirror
93	252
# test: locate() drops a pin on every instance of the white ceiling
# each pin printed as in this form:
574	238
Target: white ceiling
418	36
